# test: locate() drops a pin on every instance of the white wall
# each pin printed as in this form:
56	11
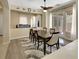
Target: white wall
19	33
14	19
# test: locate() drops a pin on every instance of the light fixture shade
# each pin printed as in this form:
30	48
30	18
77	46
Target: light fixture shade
44	10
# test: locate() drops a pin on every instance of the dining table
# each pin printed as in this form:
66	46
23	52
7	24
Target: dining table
44	36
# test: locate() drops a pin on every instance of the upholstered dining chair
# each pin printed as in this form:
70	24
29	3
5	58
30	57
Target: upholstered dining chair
52	30
54	41
31	34
36	38
44	28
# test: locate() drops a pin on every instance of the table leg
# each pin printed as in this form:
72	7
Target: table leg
35	41
38	44
44	47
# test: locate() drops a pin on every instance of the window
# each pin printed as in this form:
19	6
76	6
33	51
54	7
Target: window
33	21
23	20
57	19
57	22
68	23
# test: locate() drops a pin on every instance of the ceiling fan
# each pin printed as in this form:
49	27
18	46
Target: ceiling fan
45	7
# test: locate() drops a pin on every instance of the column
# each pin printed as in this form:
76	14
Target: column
74	18
6	22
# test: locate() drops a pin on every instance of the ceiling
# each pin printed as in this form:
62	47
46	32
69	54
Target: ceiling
35	4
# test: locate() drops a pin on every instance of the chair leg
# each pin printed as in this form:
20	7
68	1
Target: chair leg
57	45
33	39
38	44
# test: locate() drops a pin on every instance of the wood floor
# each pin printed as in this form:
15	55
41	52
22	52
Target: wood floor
15	51
1	39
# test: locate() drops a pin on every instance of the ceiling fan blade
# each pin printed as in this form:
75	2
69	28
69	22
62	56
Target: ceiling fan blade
49	7
45	8
42	6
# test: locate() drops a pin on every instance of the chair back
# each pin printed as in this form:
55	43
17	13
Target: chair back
31	32
54	38
36	34
52	30
44	28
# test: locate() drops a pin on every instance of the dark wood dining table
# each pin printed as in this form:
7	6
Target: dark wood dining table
44	35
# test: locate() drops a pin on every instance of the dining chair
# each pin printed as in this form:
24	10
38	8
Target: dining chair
44	28
31	35
35	36
52	30
37	39
54	41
